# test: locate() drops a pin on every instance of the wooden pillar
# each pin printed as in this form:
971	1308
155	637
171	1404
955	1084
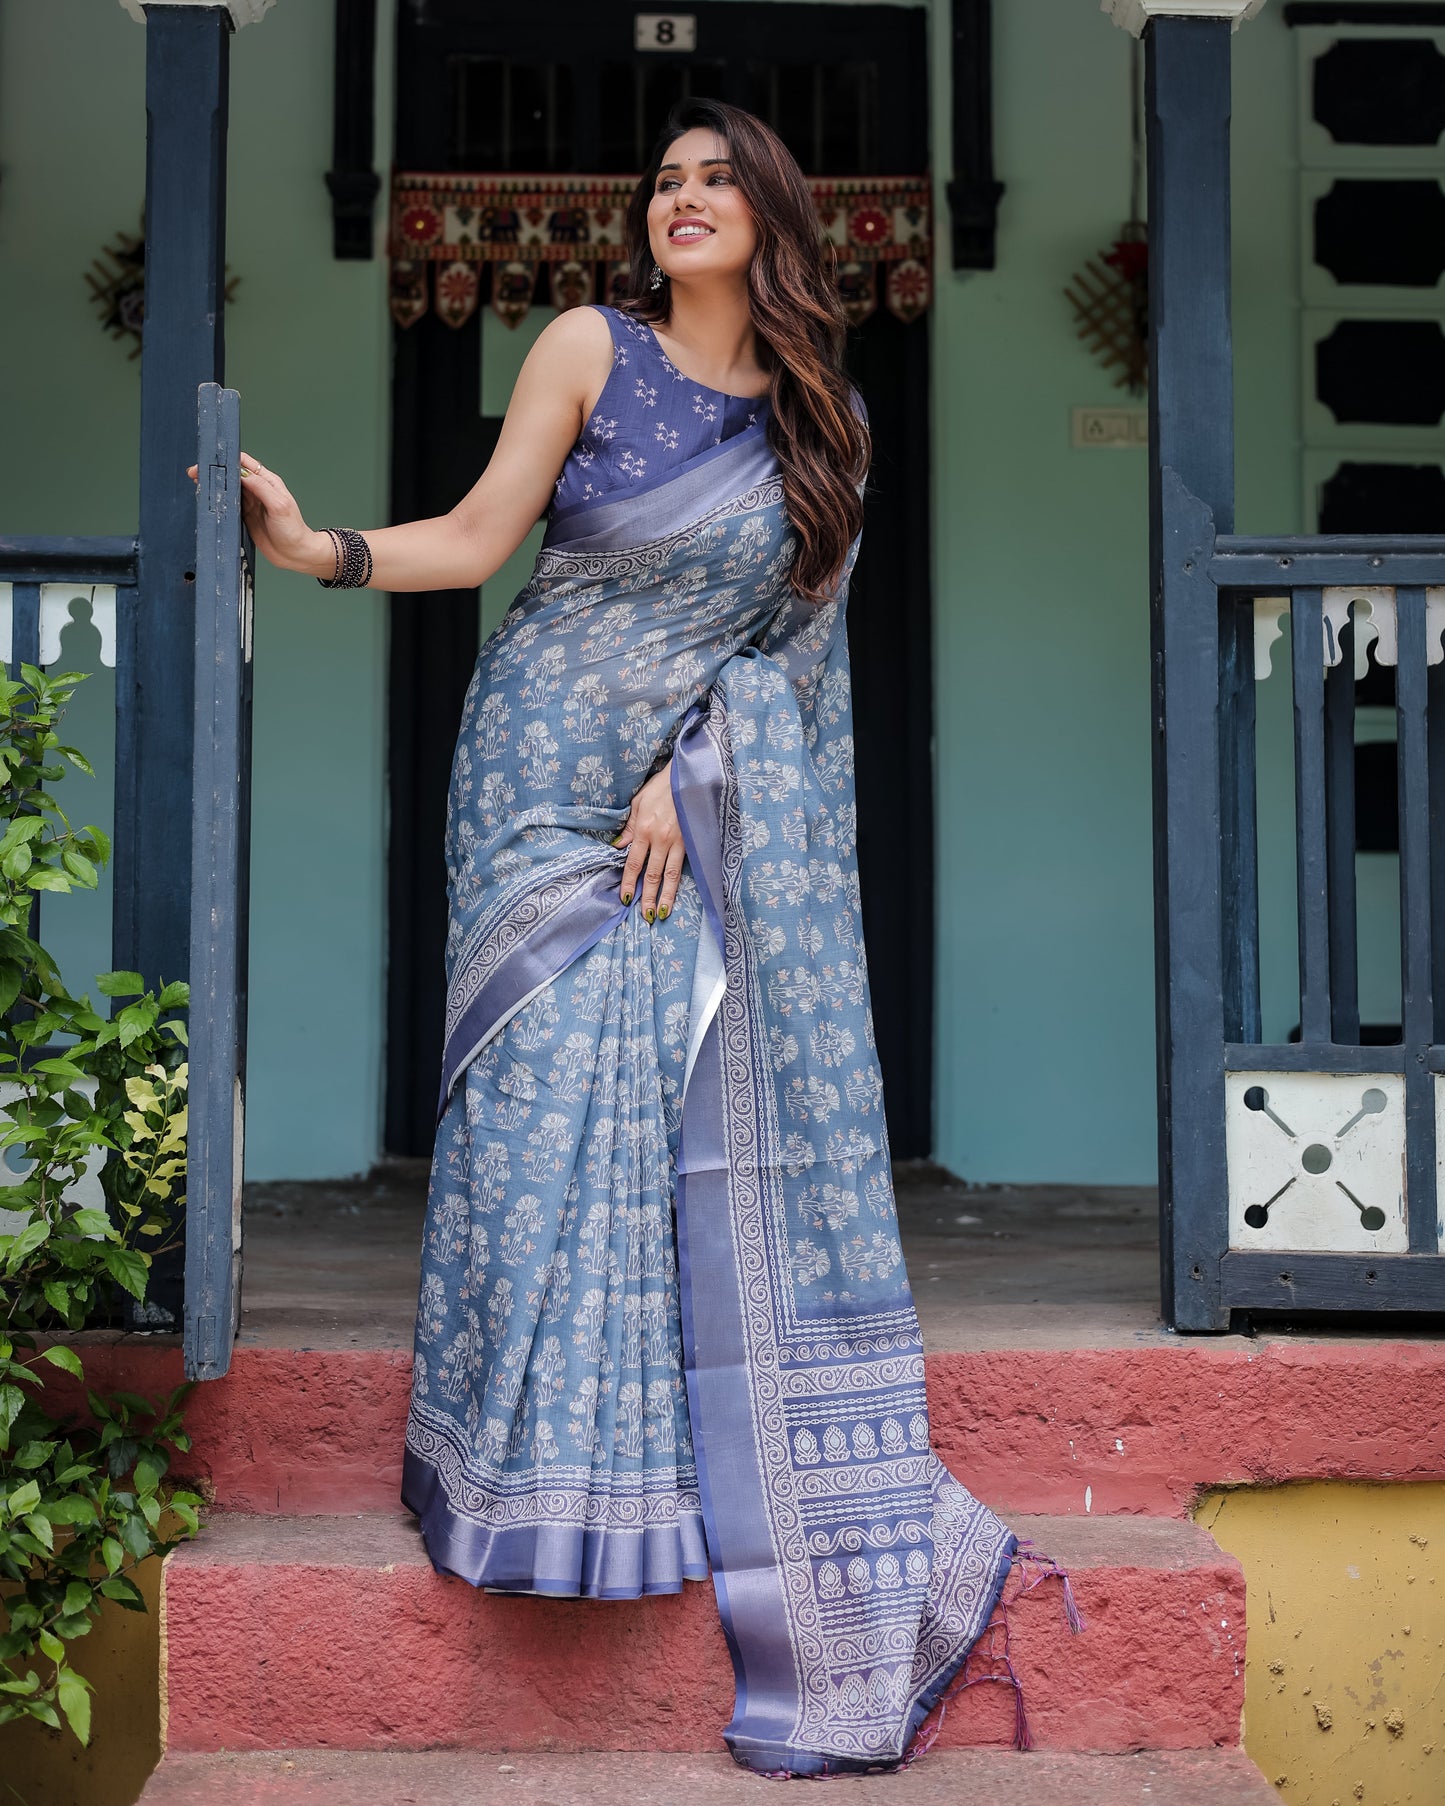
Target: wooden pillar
187	70
187	59
1191	498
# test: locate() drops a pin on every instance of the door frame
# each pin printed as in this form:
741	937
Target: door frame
437	451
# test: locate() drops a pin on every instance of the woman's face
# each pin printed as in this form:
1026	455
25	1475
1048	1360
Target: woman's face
698	223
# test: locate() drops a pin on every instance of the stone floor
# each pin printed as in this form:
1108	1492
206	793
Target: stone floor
947	1778
329	1265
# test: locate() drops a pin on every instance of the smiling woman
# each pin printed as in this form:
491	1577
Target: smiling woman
733	177
664	1328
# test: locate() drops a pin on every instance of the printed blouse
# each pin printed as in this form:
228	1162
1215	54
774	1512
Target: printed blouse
648	419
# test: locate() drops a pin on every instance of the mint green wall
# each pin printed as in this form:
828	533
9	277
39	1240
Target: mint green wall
1045	1036
1045	1041
1044	1045
307	346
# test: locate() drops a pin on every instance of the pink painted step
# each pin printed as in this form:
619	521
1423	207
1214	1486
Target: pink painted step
1138	1428
335	1632
470	1778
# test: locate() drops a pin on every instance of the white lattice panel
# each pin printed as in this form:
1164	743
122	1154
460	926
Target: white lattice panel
1316	1161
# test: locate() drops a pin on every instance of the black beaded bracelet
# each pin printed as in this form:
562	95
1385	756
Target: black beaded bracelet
353	560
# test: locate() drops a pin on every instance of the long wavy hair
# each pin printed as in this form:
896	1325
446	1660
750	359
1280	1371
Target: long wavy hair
820	440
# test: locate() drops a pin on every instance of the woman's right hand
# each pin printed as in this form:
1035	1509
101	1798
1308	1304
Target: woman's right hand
274	522
556	389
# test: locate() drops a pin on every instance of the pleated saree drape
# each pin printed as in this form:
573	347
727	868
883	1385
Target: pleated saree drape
664	1325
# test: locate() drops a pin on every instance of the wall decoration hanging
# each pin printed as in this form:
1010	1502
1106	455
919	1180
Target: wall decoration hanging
117	282
1110	295
573	227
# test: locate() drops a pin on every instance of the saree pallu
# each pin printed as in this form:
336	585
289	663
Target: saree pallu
600	1074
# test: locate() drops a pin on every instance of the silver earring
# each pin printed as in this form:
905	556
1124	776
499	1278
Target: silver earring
655	280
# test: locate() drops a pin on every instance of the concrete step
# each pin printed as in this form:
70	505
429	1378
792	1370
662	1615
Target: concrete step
301	1632
452	1778
1060	1429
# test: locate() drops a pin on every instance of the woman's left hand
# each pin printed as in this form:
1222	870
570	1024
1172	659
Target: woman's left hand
655	850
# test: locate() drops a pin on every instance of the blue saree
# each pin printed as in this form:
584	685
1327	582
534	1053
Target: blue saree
664	1327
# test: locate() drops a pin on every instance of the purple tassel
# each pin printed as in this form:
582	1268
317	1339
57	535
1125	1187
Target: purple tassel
1049	1569
1071	1610
1023	1740
1033	1570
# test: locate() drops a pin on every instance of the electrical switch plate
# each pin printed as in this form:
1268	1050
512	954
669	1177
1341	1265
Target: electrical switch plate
1113	428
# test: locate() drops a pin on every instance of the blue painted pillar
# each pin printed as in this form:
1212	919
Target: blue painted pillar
187	70
1191	498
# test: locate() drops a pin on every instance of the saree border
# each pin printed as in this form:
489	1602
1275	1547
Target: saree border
611	523
518	951
783	1653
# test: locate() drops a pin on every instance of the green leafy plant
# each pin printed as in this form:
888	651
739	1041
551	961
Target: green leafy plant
82	1095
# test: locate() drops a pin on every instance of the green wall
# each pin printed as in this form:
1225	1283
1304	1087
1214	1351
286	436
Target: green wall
1045	982
307	346
1045	1039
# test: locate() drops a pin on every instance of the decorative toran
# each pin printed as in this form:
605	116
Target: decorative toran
574	227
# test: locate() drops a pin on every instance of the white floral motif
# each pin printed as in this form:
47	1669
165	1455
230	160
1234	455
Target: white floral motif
592	782
810	1262
874	1258
584	715
831	1043
490	733
536	755
828	1206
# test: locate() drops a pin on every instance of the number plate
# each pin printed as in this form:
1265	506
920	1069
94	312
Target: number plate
664	31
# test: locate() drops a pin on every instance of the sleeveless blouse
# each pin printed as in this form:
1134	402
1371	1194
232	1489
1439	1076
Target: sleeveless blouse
648	419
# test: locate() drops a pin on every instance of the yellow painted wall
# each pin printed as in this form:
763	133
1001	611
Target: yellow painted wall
121	1658
1345	1653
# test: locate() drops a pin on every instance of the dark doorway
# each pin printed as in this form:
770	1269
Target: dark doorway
562	89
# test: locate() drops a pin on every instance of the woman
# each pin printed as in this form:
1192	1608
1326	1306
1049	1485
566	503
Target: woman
664	1327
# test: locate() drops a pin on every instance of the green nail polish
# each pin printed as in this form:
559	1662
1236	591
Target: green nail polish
627	896
651	917
662	913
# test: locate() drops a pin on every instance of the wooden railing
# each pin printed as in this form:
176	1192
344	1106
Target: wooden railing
43	577
1331	1146
39	579
1299	1175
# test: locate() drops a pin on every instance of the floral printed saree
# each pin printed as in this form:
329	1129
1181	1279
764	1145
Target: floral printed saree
664	1327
